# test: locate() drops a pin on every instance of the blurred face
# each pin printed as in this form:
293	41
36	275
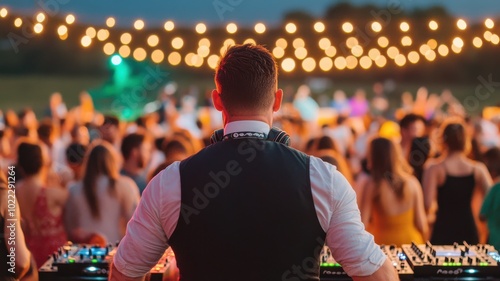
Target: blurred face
415	130
144	154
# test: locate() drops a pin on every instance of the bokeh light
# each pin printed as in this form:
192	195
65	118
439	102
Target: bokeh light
157	56
433	25
319	27
260	28
174	58
153	40
404	26
139	25
169	26
201	28
177	43
110	22
288	64
70	19
347	27
291	28
326	64
309	64
232	28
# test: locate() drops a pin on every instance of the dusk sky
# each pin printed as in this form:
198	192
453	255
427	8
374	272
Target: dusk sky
246	12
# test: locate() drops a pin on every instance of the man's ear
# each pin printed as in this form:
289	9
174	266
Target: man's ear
278	98
217	100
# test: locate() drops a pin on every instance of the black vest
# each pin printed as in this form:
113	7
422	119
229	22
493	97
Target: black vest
247	213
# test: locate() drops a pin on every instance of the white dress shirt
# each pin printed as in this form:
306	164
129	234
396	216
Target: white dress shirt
335	202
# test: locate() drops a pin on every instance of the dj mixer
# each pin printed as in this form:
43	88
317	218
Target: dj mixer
461	262
332	270
413	262
91	262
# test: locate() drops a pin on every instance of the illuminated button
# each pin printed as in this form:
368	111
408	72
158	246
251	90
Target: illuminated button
94	260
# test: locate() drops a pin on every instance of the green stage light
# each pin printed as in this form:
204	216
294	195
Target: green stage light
116	60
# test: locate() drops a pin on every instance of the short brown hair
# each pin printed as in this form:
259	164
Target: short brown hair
246	78
454	135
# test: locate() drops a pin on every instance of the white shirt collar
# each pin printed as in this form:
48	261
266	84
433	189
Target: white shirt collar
247	126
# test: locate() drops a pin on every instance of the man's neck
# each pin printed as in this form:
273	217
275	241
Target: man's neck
261	118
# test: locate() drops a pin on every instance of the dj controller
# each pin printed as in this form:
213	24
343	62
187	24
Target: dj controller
91	262
418	262
429	262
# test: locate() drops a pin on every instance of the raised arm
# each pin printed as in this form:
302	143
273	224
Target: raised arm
430	184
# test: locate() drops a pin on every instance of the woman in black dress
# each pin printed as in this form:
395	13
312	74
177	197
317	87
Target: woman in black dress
454	187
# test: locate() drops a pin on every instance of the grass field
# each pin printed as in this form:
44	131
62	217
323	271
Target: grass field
17	92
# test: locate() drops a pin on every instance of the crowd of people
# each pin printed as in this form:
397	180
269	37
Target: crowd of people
422	171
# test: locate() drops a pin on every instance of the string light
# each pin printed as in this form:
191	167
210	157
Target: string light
153	40
91	32
381	61
373	54
278	52
250	41
430	55
38	28
347	27
40	17
365	62
291	28
204	42
477	42
324	43
232	28
352	62
400	60
110	22
212	61
298	43
18	22
331	51
86	41
357	51
489	23
260	28
376	26
392	52
458	42
487	35
443	50
157	56
125	38
383	41
102	34
461	24
301	53
109	48
288	65
432	44
70	19
318	27
203	51
495	39
139	54
62	30
124	51
456	49
351	42
433	25
326	64
340	63
201	28
404	26
406	41
174	58
177	43
424	48
169	26
413	57
139	25
3	12
309	64
281	43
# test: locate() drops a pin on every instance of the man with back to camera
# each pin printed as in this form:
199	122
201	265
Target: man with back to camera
246	207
